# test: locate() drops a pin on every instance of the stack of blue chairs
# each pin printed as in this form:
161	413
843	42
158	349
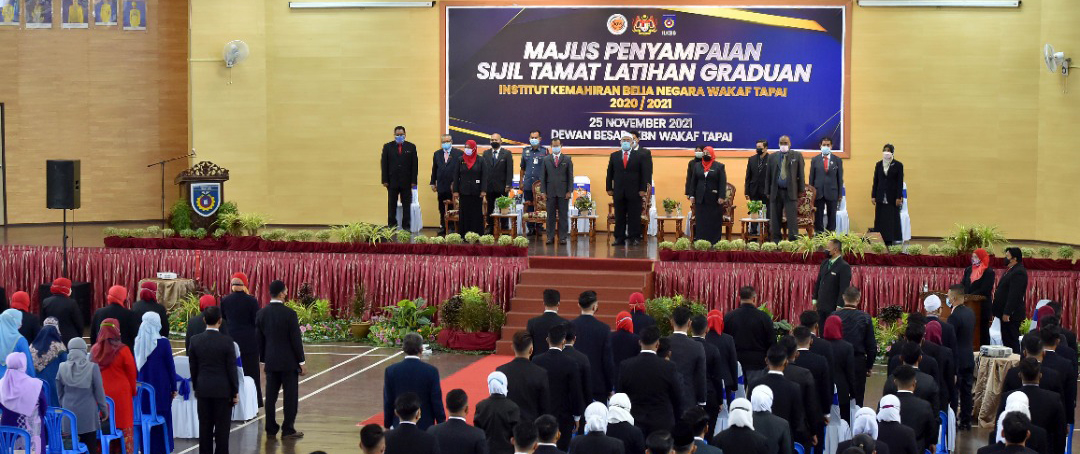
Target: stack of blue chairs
145	422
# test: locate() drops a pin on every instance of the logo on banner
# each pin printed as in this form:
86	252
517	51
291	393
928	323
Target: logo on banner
669	21
644	25
616	24
205	198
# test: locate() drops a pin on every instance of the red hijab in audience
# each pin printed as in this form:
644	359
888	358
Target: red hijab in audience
206	301
117	295
933	332
470	160
1044	311
716	321
21	301
108	343
712	158
624	322
61	286
984	263
147	291
834	328
637	302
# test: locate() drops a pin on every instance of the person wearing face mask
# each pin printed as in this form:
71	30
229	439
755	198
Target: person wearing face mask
710	191
532	158
834	276
500	163
827	178
470	185
756	185
785	183
699	152
887	195
979	280
626	182
645	152
1009	298
443	170
557	181
399	171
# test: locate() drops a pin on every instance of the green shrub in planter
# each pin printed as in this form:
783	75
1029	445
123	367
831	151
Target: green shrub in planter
438	240
682	244
1028	251
219	233
403	236
753	246
472	237
702	245
769	247
665	245
879	248
454	238
896	249
168	233
915	249
110	231
304	235
139	233
153	231
949	250
787	246
274	235
1066	252
722	245
934	249
487	240
421	239
200	233
505	240
187	233
738	245
521	242
122	233
660	309
1045	252
324	235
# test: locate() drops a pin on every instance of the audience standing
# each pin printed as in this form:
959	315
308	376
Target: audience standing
497	415
407	437
116	308
80	389
238	310
119	373
277	330
154	361
65	309
456	436
30	324
215	383
858	330
528	383
651	384
538	327
412	375
593	340
753	333
47	352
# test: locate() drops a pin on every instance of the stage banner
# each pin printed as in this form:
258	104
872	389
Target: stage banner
723	77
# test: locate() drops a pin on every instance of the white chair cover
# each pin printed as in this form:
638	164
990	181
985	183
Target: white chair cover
952	430
843	223
417	219
740	392
185	413
652	211
905	218
838	430
995	332
248	405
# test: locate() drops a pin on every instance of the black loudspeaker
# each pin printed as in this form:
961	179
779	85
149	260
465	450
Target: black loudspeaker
62	185
81	292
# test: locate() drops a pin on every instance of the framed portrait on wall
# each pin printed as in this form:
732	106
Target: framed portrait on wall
135	14
105	12
75	14
38	14
9	13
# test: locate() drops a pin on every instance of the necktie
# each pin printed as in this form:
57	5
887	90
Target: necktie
826	164
625	158
446	156
495	155
399	149
783	166
556	160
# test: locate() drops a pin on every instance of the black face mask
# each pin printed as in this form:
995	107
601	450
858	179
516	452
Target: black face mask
760	150
495	145
706	158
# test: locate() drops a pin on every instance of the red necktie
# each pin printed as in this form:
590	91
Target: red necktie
826	164
399	149
556	160
625	158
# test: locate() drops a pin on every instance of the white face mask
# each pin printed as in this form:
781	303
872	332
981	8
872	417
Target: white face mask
699	154
886	155
825	150
468	151
784	148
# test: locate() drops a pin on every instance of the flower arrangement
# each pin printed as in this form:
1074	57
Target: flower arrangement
503	204
505	240
753	246
682	244
670	205
521	242
702	245
454	238
722	245
666	245
438	240
754	207
584	204
472	237
770	247
889	326
487	240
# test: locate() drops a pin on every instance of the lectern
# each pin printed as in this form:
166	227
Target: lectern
203	186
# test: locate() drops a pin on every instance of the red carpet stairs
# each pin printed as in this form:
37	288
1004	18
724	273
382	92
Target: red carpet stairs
613	280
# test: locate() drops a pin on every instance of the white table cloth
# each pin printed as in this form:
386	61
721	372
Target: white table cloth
843	224
248	405
417	220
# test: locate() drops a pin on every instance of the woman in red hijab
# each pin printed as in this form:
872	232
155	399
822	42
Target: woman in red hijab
118	374
843	363
197	325
708	186
469	189
624	343
638	312
31	325
729	371
979	280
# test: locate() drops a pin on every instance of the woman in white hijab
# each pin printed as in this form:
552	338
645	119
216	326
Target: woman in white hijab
1018	402
776	430
497	415
864	423
154	360
621	424
596	440
740	436
898	438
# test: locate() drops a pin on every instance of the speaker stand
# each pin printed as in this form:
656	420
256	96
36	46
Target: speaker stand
65	273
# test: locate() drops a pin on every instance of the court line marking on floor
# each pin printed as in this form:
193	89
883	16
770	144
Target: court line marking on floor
304	397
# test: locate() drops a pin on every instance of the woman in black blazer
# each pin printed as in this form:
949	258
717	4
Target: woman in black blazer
469	184
595	440
887	196
708	181
979	280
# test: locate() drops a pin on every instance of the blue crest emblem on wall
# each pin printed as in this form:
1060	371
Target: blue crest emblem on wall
205	198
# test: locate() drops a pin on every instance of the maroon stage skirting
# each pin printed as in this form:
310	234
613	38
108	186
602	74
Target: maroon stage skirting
932	261
387	278
257	244
789	286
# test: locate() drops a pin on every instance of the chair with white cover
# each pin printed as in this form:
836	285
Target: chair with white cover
905	218
414	210
247	405
653	228
185	411
843	222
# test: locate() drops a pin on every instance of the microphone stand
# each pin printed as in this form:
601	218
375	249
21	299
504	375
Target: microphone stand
162	164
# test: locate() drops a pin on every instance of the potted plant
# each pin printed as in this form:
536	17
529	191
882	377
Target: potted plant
670	205
503	203
470	320
754	207
358	326
584	205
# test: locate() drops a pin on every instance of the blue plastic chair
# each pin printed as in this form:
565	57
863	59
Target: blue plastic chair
799	449
943	438
113	434
1068	441
54	429
145	422
9	439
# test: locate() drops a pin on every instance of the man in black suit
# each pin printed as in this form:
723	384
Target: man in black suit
753	332
915	412
827	178
834	276
1046	408
594	340
408	437
564	379
239	310
557	181
443	169
547	430
627	180
756	184
926	386
1051	340
538	327
688	356
785	183
64	309
215	382
399	171
858	330
913	334
788	399
412	375
647	153
822	373
500	164
527	384
282	353
116	309
1009	298
812	320
660	442
815	414
583	362
372	439
962	320
456	436
715	372
1016	428
525	437
1050	380
650	383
